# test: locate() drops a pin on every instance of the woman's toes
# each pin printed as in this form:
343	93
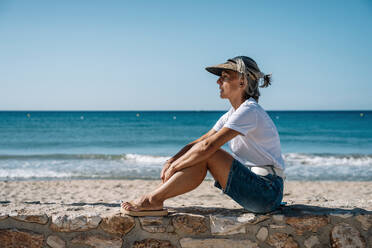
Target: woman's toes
130	207
125	204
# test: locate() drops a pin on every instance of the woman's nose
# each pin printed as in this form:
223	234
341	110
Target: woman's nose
219	81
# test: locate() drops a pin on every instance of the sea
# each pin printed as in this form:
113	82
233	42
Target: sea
55	145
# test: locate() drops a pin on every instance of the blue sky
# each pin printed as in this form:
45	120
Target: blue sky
151	55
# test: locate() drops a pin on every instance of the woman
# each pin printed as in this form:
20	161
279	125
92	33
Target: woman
252	174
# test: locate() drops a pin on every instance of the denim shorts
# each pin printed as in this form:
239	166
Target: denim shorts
255	193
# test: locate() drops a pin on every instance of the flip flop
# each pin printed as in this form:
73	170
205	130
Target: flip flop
161	212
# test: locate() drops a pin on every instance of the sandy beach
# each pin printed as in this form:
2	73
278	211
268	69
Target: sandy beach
103	196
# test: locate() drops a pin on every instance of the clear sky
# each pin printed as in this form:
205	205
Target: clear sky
151	55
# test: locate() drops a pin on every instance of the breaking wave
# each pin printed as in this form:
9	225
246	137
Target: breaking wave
299	166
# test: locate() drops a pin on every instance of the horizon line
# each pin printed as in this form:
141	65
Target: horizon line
155	110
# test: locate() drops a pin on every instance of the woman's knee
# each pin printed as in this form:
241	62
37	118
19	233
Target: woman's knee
198	170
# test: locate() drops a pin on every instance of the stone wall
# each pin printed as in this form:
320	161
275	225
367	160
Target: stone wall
291	226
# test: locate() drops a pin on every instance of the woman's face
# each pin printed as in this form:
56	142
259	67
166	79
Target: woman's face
229	83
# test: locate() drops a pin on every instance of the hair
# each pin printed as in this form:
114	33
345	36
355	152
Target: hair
252	76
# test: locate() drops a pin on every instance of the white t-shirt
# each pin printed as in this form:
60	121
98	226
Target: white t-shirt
258	143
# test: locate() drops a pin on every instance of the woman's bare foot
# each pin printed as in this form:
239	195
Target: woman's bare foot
143	203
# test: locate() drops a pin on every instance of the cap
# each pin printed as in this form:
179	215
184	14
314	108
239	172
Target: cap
233	65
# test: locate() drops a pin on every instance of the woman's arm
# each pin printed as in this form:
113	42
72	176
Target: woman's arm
188	146
183	151
201	150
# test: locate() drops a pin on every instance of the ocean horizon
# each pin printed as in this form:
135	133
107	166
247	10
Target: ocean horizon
187	110
134	144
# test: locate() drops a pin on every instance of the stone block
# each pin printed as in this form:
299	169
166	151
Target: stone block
365	221
153	243
311	242
278	218
307	223
56	242
71	223
189	223
273	226
152	224
262	234
344	235
3	217
117	224
217	243
14	238
97	241
342	215
40	219
223	225
254	219
282	240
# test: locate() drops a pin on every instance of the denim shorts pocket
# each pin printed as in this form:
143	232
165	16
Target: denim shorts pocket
265	183
269	181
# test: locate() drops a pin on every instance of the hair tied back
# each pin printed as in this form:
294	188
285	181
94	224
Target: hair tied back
266	81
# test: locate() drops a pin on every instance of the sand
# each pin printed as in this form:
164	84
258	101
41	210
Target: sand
103	196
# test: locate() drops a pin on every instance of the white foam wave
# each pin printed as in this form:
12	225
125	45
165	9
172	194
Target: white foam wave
328	160
32	173
148	159
299	166
131	157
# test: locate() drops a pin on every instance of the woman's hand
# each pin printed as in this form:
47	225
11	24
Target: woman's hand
169	173
164	170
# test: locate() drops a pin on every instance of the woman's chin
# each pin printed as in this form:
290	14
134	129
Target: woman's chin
222	96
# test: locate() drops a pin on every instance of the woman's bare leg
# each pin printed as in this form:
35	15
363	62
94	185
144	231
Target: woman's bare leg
184	181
